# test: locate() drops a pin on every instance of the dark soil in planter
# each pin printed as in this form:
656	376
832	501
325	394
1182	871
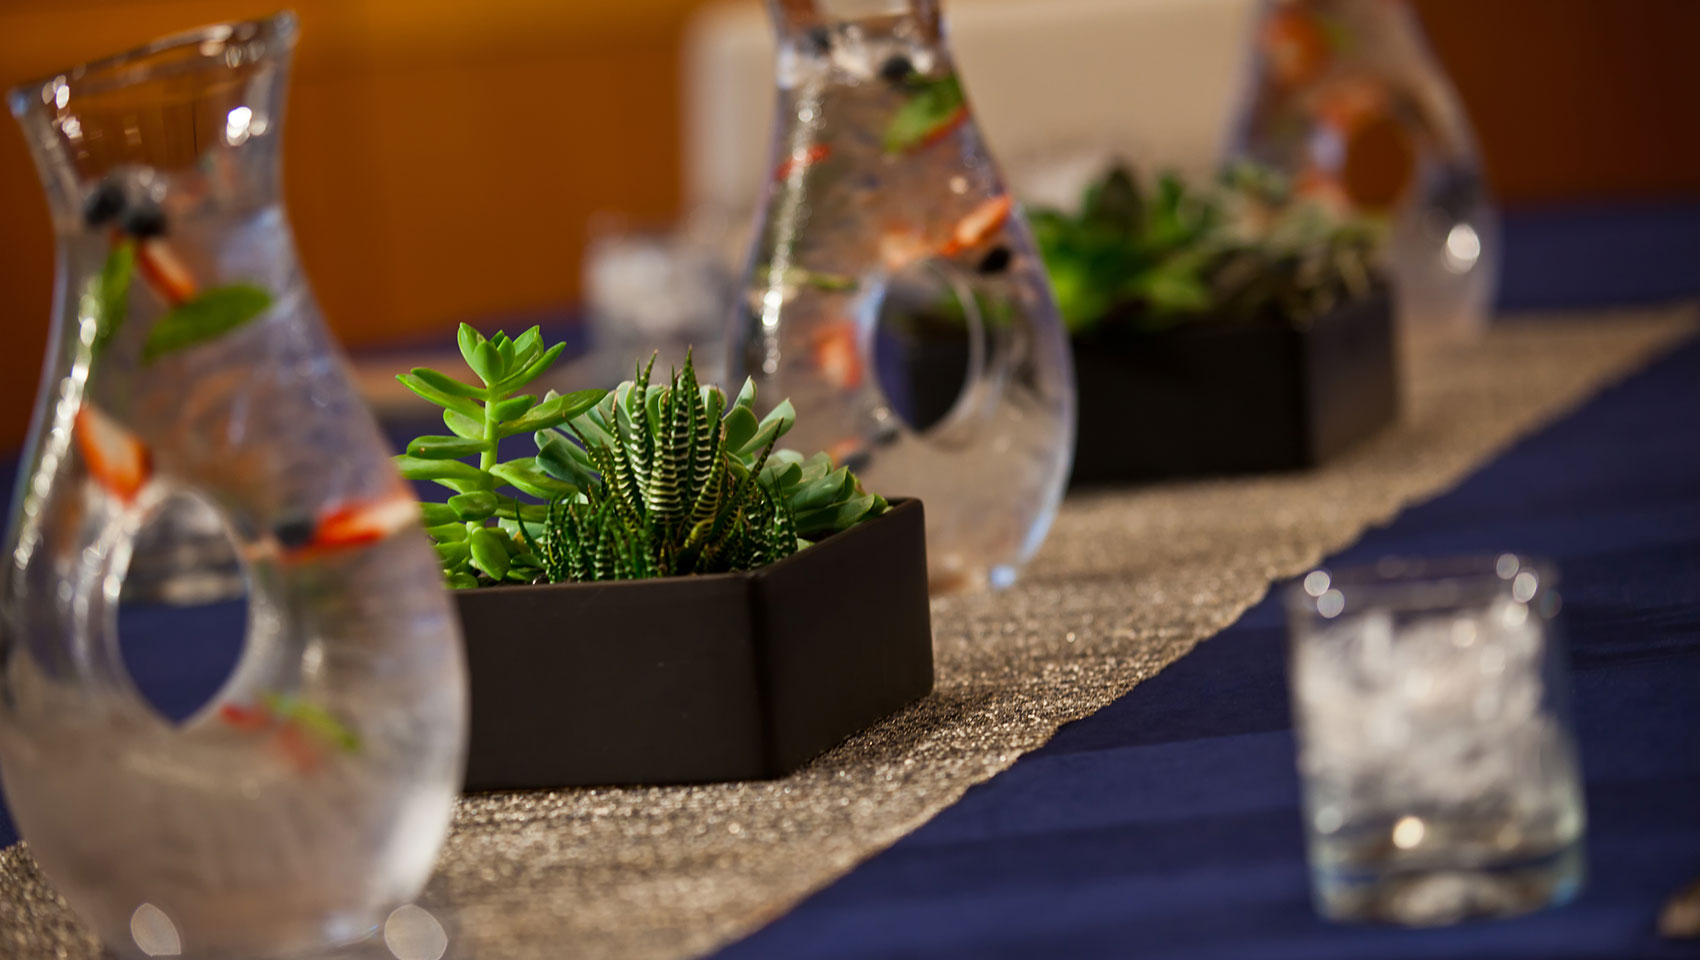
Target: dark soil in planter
689	679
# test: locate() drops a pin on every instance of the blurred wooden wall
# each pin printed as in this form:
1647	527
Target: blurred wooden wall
1577	100
444	156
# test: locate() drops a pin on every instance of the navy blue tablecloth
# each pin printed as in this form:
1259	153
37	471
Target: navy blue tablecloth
1167	825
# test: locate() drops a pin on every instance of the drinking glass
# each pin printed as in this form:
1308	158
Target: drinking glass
1434	742
188	365
654	293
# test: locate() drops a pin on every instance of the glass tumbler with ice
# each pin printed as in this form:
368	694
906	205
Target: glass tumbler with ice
1439	771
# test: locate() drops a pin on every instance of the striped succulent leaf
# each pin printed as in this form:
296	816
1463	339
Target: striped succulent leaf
688	483
641	441
665	496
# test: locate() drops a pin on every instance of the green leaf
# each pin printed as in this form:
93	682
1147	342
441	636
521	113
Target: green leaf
746	393
528	477
820	280
418	468
652	401
784	414
934	107
820	492
839	516
528	345
741	425
1115	203
469	339
564	460
815	467
314	719
505	349
208	316
528	532
461	425
455	552
1175	292
489	553
589	427
1081	299
461	405
445	448
436	514
108	298
512	407
713	401
772	427
512	509
474	507
447	384
781	476
462	581
533	368
553	412
452	532
486	361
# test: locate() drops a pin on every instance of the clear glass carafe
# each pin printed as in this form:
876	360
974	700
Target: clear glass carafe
1347	98
894	294
188	364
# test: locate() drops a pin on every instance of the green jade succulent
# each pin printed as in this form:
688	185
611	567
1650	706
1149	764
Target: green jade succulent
648	480
474	531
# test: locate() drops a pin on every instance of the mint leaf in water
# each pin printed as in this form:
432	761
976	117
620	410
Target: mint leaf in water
210	315
109	293
935	106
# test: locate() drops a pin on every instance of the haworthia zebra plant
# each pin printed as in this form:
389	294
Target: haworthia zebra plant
646	481
675	481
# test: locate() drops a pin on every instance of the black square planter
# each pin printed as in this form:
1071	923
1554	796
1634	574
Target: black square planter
690	679
1212	398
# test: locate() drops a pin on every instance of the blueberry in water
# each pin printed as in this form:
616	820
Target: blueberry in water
104	205
147	220
820	39
295	533
897	69
996	260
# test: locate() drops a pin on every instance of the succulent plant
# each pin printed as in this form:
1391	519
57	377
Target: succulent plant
648	480
674	480
1244	248
469	530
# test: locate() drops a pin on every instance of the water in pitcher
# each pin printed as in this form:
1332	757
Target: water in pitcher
189	366
891	262
1346	97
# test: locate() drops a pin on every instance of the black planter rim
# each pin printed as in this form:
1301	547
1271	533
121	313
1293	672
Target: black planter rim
895	504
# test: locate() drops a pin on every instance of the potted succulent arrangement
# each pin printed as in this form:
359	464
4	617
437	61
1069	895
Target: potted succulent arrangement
661	594
1224	329
1229	329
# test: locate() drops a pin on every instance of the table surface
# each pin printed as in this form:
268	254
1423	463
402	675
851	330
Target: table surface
1167	824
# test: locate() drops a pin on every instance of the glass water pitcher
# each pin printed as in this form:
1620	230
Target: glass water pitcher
188	364
1346	97
894	294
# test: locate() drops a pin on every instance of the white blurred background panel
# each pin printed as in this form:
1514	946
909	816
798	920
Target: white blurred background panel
1051	81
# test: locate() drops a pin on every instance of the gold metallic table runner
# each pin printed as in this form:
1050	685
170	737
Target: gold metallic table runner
1128	583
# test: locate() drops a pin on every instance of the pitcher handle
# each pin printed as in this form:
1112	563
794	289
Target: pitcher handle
982	383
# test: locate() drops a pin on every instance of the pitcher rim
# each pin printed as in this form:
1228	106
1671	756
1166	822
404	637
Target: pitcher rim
131	67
